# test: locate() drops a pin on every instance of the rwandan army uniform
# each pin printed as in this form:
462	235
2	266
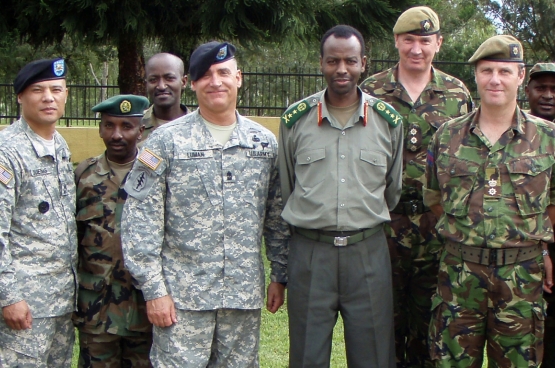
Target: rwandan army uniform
412	239
38	247
192	228
110	310
339	183
151	123
495	202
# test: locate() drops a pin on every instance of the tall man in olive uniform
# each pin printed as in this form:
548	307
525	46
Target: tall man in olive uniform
490	177
540	92
38	239
114	330
426	98
340	167
165	82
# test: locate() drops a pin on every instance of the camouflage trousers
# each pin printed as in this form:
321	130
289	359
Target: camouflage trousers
549	333
479	306
414	249
48	343
226	338
113	351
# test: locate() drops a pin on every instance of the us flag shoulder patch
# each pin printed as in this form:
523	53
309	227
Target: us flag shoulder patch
5	175
150	159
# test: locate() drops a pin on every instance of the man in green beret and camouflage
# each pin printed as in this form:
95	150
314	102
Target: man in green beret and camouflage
426	98
540	92
114	330
38	243
490	178
202	193
340	164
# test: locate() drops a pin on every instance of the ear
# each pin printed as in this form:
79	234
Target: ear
363	63
239	77
194	86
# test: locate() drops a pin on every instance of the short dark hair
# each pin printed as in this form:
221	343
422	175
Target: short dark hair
343	31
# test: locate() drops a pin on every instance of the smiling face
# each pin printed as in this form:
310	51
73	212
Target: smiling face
43	103
541	96
342	64
120	135
165	80
217	89
498	82
416	53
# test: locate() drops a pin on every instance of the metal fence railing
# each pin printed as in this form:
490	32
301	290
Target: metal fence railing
264	92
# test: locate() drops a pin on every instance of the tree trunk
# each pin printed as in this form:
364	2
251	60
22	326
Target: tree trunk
131	65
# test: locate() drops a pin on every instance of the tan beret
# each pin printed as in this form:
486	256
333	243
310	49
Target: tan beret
419	20
540	69
499	48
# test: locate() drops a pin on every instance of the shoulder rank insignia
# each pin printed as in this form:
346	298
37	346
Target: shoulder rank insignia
290	117
150	159
5	175
388	113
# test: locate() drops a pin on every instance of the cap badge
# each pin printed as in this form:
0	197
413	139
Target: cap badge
125	106
426	25
58	68
222	53
515	51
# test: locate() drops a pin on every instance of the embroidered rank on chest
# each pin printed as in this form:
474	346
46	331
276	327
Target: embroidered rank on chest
493	183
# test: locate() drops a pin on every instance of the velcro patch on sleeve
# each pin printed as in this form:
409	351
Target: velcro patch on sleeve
150	159
5	175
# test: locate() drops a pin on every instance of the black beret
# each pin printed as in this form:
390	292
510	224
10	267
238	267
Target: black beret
207	55
123	105
38	71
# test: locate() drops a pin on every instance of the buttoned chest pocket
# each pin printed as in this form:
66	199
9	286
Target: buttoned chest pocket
195	181
310	168
457	179
371	169
530	178
92	217
256	178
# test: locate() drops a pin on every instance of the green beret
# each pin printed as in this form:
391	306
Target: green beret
541	69
207	55
499	48
419	20
38	71
123	105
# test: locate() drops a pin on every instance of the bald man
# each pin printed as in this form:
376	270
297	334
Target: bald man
165	82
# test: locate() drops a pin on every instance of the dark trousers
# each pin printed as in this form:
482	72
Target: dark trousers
355	281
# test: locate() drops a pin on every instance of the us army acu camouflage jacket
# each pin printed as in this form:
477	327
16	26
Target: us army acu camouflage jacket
193	222
38	243
107	301
493	196
443	99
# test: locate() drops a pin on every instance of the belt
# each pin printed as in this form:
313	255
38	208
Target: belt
412	207
494	257
338	238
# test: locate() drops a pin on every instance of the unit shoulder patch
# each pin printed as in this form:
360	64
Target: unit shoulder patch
388	113
290	117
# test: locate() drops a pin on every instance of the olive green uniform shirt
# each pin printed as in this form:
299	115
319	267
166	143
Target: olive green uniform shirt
340	178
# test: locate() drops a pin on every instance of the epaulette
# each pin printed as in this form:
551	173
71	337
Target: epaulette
387	112
84	165
293	113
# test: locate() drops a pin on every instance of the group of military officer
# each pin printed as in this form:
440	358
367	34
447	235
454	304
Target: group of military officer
424	222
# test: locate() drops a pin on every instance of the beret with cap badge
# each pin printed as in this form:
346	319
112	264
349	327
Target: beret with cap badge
502	48
38	71
207	55
419	20
123	105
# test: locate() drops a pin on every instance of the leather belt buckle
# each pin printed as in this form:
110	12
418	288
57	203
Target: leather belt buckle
340	241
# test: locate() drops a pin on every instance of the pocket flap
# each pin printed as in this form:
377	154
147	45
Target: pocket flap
373	157
531	165
308	157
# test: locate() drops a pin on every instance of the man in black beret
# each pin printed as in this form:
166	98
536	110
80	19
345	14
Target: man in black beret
200	195
38	240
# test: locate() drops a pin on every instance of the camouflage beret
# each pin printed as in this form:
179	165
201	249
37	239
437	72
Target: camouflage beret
207	55
38	71
123	105
541	69
419	20
499	48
